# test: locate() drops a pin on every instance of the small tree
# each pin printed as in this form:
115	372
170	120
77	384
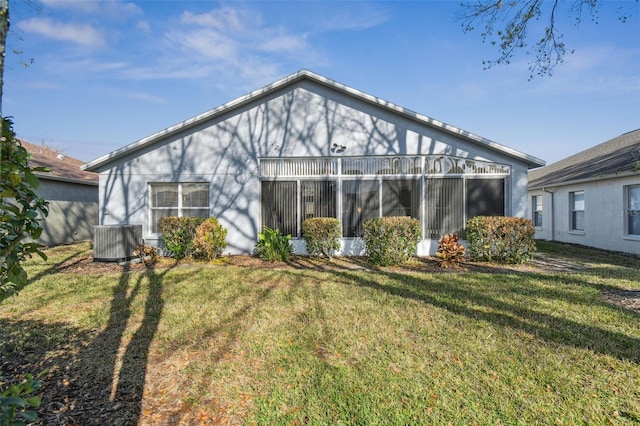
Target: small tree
21	211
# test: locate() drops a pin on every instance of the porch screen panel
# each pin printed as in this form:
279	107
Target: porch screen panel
444	207
485	197
360	202
401	197
318	199
279	206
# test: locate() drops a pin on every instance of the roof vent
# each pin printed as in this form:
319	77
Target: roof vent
113	243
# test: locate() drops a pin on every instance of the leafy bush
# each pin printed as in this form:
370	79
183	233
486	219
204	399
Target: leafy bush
391	240
18	401
322	235
210	239
450	251
21	211
273	246
501	239
178	234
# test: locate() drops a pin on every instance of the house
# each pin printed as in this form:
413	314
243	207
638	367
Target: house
591	198
307	146
72	194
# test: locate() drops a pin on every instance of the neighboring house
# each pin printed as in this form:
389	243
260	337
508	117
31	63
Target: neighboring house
72	194
591	198
307	146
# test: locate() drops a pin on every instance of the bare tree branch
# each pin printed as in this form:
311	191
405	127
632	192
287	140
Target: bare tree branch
505	24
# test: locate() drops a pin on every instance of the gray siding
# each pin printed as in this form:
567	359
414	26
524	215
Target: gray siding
73	211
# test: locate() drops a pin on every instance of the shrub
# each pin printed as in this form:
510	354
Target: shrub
178	234
450	251
501	239
210	239
18	403
391	240
272	245
322	235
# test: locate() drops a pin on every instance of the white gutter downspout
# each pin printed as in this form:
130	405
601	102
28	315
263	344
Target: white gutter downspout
553	231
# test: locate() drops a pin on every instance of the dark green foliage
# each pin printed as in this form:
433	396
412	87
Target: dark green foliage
21	211
322	235
391	240
178	235
18	401
450	251
501	239
210	239
273	246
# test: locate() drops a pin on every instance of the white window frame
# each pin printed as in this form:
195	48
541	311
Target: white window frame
536	211
572	210
630	210
180	208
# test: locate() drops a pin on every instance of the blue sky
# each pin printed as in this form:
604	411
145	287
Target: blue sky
108	73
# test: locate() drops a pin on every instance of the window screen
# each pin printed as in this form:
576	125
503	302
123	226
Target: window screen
360	202
444	211
485	197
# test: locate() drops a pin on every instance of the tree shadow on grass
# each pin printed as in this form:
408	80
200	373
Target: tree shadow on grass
459	297
51	269
112	374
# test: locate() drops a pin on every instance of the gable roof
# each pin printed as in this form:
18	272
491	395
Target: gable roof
615	157
301	75
62	167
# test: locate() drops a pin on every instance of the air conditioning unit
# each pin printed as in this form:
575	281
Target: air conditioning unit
114	243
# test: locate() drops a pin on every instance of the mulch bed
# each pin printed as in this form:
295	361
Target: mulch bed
627	299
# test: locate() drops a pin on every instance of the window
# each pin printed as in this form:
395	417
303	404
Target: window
577	210
633	210
280	201
177	199
536	209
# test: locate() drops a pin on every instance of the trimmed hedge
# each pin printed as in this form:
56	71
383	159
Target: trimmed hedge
501	239
322	235
209	239
178	234
391	240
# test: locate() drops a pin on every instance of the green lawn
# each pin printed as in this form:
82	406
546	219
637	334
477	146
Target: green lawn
206	343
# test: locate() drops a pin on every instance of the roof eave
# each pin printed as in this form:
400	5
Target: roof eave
585	180
66	179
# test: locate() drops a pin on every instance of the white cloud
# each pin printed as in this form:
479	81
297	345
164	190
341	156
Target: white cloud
203	44
225	19
81	34
144	26
112	9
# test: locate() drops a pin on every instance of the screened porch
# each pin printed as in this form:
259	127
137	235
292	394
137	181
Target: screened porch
442	192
